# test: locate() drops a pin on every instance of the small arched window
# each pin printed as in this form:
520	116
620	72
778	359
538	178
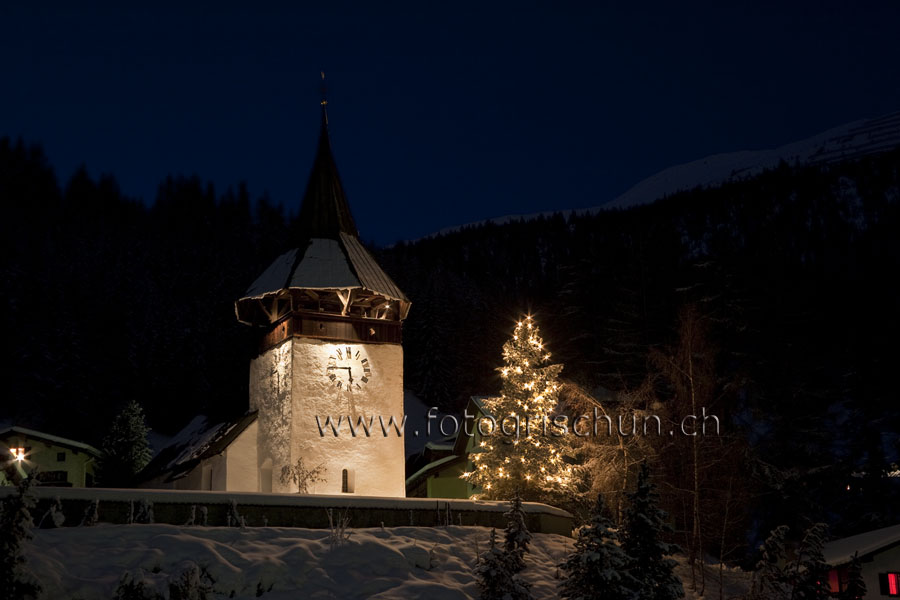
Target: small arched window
345	481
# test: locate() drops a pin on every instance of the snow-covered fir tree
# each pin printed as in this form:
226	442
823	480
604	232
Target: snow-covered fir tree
126	449
516	536
16	583
807	574
496	578
598	568
856	585
648	561
800	574
768	579
525	451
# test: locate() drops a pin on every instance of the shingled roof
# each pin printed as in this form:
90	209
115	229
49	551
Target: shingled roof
330	255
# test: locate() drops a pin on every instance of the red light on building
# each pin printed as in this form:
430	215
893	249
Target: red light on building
834	583
894	584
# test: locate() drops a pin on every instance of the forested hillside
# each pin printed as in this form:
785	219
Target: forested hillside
792	273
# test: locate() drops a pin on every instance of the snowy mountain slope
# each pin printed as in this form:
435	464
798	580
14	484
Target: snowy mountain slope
268	562
845	142
852	140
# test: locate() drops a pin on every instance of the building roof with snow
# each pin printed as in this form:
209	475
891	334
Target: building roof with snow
32	434
199	440
329	259
840	552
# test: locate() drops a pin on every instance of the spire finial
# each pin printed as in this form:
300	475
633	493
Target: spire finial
324	101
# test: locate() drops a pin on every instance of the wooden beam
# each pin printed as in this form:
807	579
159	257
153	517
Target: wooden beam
345	296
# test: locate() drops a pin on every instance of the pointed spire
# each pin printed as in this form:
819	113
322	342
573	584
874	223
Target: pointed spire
325	212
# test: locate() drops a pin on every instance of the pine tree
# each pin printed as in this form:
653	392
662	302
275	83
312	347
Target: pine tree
597	569
769	580
517	536
807	574
804	577
645	523
126	449
496	579
525	450
856	585
15	531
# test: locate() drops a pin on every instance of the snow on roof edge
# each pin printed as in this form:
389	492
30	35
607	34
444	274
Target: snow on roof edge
841	551
51	438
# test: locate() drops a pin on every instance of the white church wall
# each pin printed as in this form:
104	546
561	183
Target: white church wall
218	471
270	394
375	464
242	471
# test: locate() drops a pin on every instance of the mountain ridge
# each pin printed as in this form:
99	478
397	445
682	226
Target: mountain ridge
844	142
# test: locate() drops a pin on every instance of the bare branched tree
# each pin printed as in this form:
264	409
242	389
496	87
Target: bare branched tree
302	477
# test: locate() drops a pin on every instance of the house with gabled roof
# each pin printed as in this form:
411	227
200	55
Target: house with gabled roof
441	465
879	555
55	460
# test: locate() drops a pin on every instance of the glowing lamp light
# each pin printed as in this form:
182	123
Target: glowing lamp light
18	453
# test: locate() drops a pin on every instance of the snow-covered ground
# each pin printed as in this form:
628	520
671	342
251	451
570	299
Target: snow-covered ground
400	562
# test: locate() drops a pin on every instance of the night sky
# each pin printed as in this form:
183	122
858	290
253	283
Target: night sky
441	113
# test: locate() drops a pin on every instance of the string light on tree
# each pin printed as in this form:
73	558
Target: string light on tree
527	454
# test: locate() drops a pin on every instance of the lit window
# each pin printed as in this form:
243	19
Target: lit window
18	453
890	584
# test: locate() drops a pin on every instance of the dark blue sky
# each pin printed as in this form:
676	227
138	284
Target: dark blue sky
441	113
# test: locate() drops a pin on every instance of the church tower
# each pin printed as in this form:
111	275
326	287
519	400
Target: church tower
330	322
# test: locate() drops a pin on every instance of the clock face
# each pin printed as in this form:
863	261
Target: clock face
348	368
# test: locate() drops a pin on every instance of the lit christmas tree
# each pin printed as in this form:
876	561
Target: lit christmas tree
525	450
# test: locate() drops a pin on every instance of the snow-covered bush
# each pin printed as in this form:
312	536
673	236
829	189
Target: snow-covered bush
517	536
16	583
192	519
598	568
808	572
54	516
144	512
194	583
802	577
91	514
769	579
134	587
235	518
647	553
495	575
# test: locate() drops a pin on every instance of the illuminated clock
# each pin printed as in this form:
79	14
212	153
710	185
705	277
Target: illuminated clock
348	368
